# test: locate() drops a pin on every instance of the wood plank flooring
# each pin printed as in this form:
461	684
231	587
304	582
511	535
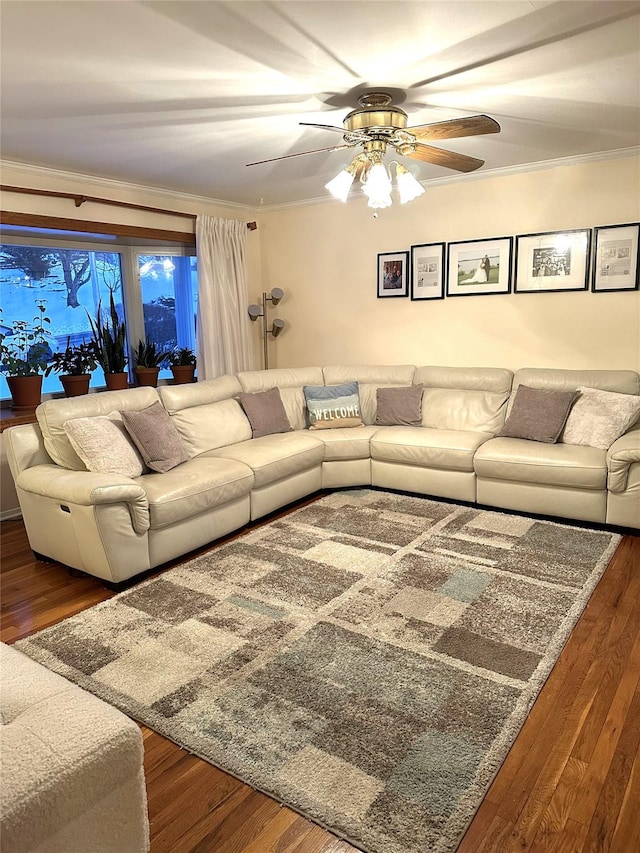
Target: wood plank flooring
571	783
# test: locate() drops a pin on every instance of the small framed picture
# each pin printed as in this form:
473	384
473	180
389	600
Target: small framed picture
479	267
427	271
553	261
393	274
616	258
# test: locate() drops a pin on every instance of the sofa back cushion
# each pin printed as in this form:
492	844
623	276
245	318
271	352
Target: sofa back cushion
289	381
53	414
369	379
464	398
207	414
556	379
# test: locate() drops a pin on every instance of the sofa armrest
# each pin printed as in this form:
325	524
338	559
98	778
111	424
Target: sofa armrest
620	456
85	488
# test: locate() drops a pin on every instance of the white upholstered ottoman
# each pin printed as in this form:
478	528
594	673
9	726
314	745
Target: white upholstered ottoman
71	767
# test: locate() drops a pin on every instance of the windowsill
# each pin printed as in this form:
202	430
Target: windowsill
9	418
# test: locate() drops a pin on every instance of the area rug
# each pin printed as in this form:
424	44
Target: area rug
367	660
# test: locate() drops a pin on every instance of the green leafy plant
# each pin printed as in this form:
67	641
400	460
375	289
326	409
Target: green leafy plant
148	354
26	351
182	356
110	339
75	360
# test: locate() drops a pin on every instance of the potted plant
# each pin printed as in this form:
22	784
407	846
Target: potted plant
147	358
110	340
24	355
74	364
183	365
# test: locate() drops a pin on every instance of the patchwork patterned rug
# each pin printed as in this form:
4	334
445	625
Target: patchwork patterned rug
367	660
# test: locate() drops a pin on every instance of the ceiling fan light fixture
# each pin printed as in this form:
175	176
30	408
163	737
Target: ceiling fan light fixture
340	185
377	186
408	187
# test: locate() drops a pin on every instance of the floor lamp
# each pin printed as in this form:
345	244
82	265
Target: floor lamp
277	325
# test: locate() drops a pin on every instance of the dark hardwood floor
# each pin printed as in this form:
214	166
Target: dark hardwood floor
570	784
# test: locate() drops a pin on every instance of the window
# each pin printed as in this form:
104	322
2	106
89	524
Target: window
155	289
169	291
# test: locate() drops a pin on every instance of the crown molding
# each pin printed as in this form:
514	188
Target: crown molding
504	171
189	199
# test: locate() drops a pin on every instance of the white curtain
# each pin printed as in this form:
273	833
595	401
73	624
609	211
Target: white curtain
224	338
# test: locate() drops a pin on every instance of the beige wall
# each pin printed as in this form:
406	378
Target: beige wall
324	256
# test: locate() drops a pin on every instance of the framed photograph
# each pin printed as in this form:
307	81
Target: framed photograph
616	258
479	267
553	261
427	271
393	274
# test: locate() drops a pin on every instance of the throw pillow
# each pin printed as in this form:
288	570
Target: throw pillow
156	437
265	412
538	414
333	406
600	417
104	445
401	406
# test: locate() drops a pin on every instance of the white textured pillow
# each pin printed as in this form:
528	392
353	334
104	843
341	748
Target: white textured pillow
599	417
104	445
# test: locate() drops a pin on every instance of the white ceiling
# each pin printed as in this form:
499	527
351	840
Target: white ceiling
183	94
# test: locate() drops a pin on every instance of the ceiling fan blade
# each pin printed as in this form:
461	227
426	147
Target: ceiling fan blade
448	159
471	126
323	126
299	154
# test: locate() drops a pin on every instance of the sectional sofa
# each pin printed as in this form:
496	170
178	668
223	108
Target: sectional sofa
115	526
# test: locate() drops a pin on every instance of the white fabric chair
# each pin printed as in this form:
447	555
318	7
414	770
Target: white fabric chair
71	767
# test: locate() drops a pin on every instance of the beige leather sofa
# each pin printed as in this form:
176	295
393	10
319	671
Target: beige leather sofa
115	527
71	767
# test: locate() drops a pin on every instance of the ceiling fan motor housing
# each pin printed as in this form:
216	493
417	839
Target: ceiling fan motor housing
376	115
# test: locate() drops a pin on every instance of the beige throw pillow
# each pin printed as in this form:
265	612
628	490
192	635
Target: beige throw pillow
156	437
600	417
104	446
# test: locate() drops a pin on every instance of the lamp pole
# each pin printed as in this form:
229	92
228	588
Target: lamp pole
265	348
277	326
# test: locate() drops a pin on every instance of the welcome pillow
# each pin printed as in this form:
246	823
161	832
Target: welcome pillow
333	406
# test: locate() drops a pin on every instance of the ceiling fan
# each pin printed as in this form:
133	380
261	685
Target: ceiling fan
376	123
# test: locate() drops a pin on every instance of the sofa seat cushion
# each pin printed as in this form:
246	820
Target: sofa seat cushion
194	487
447	449
348	443
273	457
521	460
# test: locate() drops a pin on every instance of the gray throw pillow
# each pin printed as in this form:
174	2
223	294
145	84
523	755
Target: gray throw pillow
265	412
156	437
399	406
600	417
539	414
